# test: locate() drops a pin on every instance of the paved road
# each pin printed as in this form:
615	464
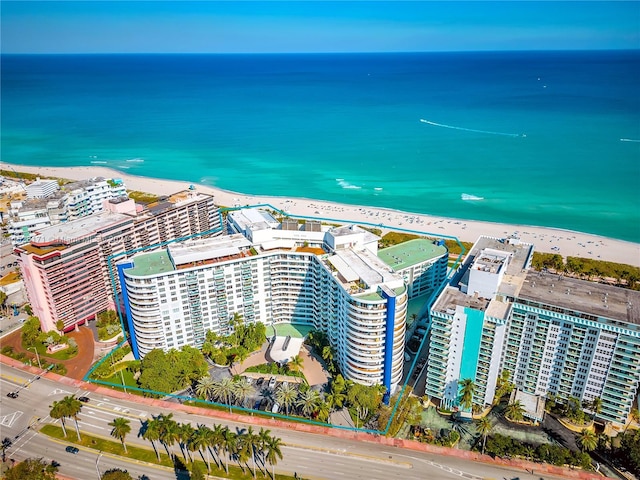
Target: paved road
310	455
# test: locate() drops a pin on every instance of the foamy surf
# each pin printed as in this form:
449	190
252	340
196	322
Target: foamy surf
347	185
136	160
452	127
472	198
97	162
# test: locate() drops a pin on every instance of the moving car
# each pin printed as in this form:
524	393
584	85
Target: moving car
71	449
84	399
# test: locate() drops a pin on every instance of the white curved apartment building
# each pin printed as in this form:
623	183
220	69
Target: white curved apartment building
173	296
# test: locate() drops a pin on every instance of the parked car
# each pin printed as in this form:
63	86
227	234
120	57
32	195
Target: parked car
260	381
272	382
407	357
71	449
276	408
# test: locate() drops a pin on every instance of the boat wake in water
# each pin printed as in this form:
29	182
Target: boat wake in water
471	129
629	140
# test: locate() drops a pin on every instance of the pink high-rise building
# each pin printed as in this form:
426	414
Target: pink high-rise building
66	267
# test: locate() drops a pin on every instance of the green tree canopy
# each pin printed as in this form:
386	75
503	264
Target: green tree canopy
31	331
116	474
31	469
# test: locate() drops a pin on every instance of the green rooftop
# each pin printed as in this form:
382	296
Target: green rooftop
153	263
410	253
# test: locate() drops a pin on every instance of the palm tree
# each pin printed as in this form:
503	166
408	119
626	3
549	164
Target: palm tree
186	378
587	440
72	407
286	396
186	432
634	416
515	411
200	440
121	429
204	387
223	389
596	406
251	443
169	432
57	412
324	410
263	438
217	441
296	363
467	390
6	445
273	453
327	354
484	427
242	390
309	401
241	450
151	432
228	444
235	322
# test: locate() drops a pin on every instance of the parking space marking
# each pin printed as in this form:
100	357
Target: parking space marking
8	420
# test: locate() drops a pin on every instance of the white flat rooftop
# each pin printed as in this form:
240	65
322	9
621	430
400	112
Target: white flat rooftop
207	248
80	228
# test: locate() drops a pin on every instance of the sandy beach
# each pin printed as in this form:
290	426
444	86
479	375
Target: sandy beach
552	240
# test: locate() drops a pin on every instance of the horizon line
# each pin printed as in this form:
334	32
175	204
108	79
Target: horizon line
391	52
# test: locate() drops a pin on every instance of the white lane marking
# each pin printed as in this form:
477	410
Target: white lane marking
57	391
91	425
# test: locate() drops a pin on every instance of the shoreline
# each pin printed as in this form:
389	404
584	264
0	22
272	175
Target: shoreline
545	239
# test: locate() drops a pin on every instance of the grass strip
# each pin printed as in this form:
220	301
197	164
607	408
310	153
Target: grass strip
149	456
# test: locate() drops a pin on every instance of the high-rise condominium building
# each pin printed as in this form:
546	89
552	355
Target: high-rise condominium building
66	266
553	334
344	289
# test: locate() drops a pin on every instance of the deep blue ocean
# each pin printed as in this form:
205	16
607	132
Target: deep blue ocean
536	135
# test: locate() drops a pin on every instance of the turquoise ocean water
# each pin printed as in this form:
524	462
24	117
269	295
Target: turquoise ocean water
536	135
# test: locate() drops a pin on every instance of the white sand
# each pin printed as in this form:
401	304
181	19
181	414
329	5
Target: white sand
552	240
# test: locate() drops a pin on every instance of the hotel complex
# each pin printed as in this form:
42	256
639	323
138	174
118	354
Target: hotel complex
46	204
65	267
331	278
553	334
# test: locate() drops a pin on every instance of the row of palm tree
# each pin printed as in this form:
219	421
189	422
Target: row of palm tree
68	407
226	390
218	442
308	402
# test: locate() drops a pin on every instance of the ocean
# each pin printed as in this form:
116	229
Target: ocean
531	138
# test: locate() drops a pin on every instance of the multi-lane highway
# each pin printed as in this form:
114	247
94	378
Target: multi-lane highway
309	455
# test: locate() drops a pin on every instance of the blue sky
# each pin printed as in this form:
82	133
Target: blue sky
306	26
